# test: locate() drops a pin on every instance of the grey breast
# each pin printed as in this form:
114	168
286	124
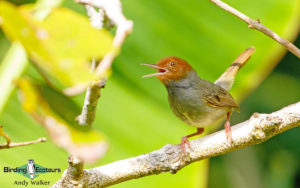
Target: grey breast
185	98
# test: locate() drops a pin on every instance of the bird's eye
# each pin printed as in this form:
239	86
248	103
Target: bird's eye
172	63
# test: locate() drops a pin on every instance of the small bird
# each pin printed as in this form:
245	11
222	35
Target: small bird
195	101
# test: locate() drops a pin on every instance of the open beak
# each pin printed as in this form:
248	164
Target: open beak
161	71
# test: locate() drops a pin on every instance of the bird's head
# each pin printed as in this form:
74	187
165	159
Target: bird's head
170	69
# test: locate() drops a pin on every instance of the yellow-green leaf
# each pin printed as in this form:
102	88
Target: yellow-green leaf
72	37
57	115
28	97
62	44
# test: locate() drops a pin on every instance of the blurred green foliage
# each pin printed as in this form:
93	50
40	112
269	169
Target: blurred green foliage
61	50
134	114
275	163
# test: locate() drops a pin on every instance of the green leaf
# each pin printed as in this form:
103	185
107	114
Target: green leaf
75	41
11	68
57	114
16	60
62	105
63	50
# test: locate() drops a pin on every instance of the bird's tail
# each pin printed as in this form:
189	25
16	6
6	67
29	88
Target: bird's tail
227	78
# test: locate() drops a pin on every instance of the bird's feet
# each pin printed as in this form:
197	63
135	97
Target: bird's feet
184	141
228	132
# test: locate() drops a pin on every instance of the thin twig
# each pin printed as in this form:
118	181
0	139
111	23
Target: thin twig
113	10
93	92
259	128
2	133
122	32
17	144
255	24
10	144
88	114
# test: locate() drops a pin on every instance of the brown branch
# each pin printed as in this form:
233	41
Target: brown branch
93	93
10	144
2	133
18	144
255	24
73	176
259	128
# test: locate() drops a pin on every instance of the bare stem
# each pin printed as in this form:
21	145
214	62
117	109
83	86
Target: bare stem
88	114
259	128
17	144
255	24
10	144
2	133
113	10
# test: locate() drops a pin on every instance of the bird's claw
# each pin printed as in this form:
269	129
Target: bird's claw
229	137
228	132
184	141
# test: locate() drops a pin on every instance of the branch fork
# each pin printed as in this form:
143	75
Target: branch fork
10	144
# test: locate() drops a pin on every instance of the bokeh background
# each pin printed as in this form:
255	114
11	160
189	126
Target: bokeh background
134	114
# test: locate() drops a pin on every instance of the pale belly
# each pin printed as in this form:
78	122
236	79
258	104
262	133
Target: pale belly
204	118
197	113
186	101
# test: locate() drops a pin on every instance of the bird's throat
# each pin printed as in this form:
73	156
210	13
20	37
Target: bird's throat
179	82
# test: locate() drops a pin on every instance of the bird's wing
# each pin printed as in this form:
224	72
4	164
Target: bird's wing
220	98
